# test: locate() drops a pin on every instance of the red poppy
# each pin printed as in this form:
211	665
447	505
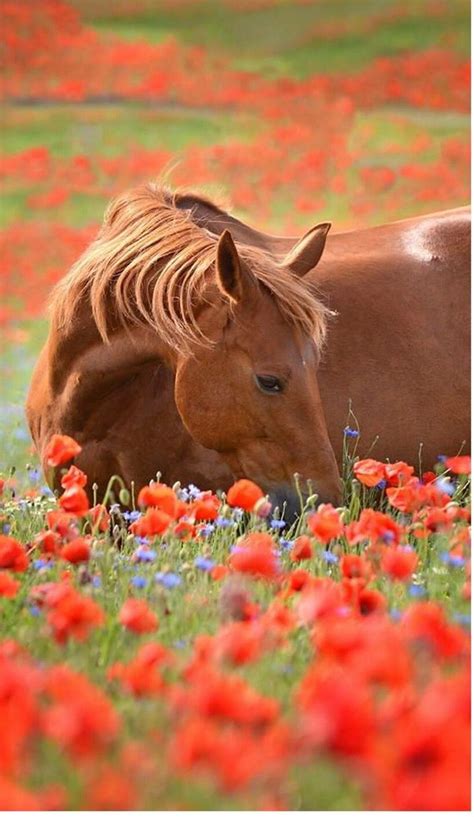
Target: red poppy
76	551
337	711
320	599
100	517
298	579
356	567
71	615
371	601
375	527
255	555
205	509
184	530
244	494
302	549
12	554
141	676
160	496
218	572
426	622
80	718
325	524
8	585
137	616
62	523
369	472
61	449
111	790
399	563
459	465
74	500
48	541
74	477
240	642
428	476
153	523
397	473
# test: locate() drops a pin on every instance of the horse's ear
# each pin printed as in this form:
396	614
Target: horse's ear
307	252
229	273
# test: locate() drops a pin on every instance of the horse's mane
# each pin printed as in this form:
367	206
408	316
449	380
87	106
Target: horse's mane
149	264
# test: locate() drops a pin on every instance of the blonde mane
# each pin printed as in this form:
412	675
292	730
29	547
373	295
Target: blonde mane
150	264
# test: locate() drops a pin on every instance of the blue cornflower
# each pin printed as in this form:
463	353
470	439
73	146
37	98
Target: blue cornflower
34	610
193	491
388	537
286	543
350	432
96	581
34	475
237	513
144	554
39	564
381	484
395	614
441	458
453	561
46	491
138	581
202	563
206	530
179	644
131	516
416	591
445	485
168	580
277	524
462	618
6	528
330	557
222	522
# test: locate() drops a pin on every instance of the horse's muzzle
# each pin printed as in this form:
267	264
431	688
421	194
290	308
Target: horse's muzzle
285	498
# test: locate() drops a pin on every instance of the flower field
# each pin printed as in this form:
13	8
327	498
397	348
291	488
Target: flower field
194	652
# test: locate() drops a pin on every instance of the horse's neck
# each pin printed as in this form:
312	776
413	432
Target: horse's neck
78	349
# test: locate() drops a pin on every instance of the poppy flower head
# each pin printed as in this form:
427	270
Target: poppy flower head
326	523
160	496
136	616
244	494
61	449
369	472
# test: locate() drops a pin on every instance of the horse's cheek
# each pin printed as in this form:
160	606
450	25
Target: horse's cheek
200	404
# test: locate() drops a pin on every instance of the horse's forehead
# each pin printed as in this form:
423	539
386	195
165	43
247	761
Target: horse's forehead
275	338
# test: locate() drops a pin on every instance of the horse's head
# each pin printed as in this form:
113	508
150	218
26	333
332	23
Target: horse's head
253	394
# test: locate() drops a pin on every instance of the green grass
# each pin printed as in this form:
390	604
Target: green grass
109	130
283	40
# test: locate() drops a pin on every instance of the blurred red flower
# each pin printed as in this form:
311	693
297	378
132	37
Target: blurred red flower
137	616
61	449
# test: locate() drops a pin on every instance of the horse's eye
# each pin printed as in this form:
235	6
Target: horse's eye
269	384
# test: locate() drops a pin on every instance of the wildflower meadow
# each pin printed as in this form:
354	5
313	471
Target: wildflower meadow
168	648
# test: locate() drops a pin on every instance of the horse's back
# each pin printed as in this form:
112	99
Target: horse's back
399	348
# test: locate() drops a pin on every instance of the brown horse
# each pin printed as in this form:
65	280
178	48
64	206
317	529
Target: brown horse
180	348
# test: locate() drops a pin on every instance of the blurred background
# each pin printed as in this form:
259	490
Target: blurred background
287	111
